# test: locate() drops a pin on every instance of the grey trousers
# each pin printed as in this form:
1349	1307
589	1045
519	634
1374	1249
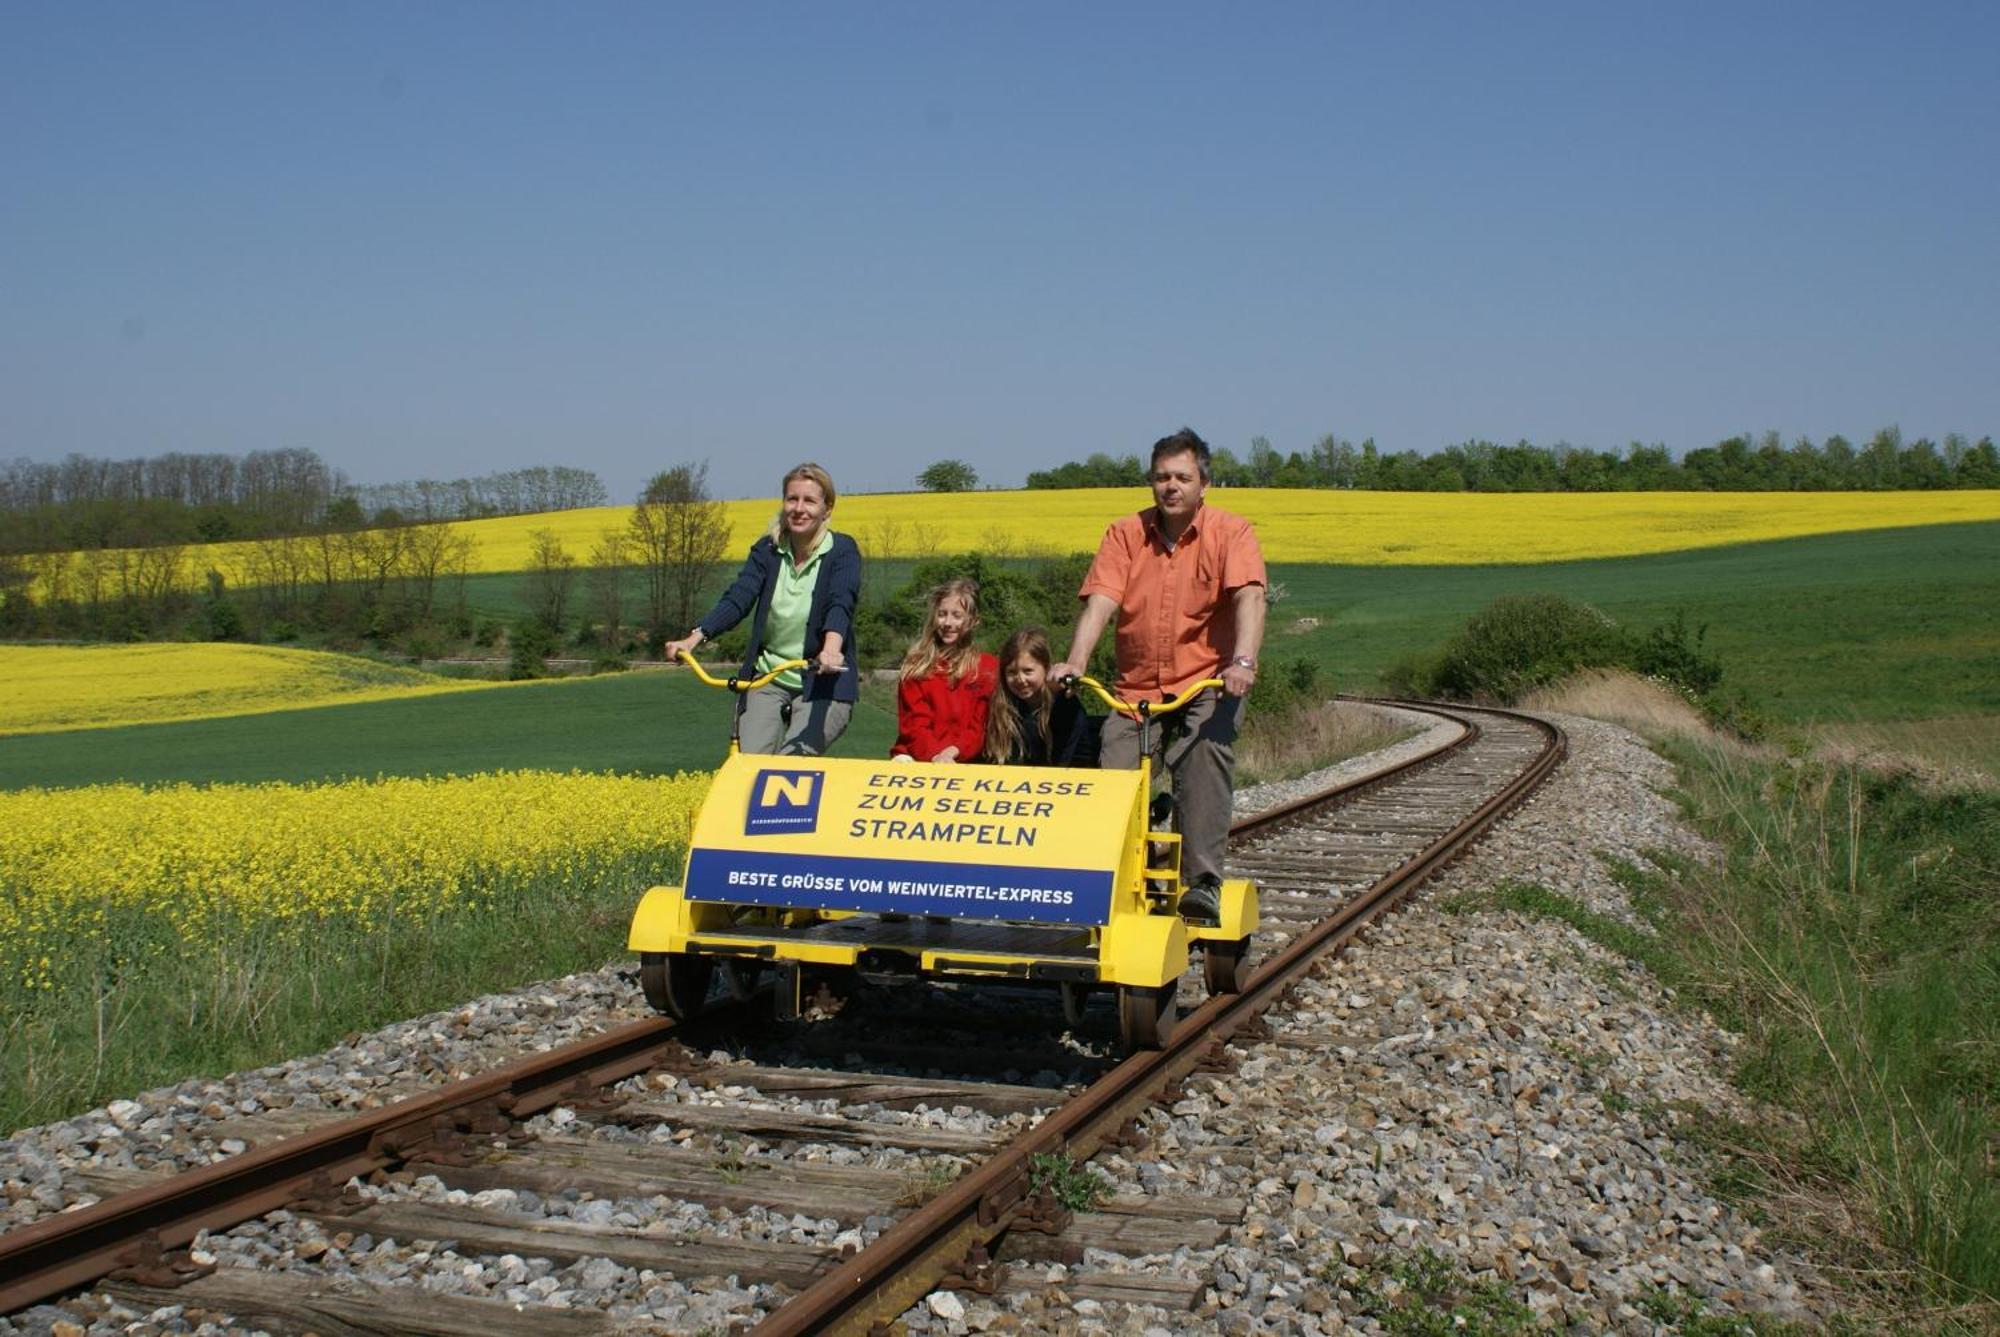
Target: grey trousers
1200	751
777	720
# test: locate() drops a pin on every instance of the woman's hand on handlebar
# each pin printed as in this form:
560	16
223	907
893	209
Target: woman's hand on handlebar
830	660
673	650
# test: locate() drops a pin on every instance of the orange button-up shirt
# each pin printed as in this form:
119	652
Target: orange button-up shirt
1176	605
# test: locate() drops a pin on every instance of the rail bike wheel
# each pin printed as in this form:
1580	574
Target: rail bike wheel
675	983
1075	997
1146	1015
1225	966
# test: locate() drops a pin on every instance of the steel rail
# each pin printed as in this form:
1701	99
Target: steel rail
75	1248
912	1257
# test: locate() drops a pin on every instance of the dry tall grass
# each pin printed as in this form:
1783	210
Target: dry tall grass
1295	743
1621	697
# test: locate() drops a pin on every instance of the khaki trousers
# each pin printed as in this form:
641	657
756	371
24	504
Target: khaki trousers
1199	747
782	722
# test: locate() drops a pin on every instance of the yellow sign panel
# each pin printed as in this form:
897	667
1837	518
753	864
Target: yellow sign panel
984	842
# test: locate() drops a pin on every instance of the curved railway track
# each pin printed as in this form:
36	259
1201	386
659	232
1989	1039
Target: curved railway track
731	1147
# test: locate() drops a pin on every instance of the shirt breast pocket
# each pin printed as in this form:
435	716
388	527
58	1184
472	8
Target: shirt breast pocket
1204	590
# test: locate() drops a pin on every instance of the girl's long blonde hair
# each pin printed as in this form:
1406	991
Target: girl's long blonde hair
927	654
1003	721
812	473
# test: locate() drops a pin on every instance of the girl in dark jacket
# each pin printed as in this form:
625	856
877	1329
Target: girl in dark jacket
801	582
1036	725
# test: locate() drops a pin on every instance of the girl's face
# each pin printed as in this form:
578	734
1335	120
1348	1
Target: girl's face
954	620
805	506
1026	677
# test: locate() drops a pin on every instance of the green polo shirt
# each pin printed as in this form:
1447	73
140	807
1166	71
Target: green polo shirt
791	604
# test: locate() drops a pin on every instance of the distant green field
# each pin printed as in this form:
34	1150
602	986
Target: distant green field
639	723
1891	624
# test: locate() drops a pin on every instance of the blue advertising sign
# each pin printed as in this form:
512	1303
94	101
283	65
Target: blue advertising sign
901	886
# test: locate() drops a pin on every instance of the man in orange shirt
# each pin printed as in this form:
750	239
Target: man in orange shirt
1186	584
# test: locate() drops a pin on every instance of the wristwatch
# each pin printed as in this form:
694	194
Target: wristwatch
1244	661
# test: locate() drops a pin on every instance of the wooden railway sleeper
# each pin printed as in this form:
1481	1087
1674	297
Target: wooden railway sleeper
149	1263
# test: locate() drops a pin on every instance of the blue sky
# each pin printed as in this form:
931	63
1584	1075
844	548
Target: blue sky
442	239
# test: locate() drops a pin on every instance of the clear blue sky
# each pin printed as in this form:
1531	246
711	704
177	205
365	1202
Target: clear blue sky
442	239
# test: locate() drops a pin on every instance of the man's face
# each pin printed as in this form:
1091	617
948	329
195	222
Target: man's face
1177	485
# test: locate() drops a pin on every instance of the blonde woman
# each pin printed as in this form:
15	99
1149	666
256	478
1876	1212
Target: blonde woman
947	683
799	584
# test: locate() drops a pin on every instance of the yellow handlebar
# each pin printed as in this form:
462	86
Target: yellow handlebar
1131	708
738	684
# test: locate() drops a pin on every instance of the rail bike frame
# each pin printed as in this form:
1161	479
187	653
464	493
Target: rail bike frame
814	867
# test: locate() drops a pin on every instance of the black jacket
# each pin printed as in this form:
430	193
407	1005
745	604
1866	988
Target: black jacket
1073	734
835	592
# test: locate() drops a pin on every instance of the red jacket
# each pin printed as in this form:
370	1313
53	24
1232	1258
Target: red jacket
934	713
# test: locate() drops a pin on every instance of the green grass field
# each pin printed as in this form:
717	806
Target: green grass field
638	723
1896	624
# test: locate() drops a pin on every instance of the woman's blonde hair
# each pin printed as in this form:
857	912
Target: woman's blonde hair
812	473
926	655
1003	721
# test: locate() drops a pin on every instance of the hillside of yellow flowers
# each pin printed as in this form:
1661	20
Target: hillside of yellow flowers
49	687
1295	525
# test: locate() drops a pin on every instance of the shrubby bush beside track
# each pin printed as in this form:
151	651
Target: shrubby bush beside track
149	934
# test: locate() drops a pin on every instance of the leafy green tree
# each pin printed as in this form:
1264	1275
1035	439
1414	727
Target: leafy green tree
678	533
948	476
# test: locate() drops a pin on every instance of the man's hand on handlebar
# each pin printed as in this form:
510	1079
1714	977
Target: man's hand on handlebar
1237	680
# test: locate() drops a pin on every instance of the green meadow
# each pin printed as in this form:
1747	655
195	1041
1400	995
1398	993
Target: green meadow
642	723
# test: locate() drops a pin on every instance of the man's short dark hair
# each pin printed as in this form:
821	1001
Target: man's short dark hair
1179	443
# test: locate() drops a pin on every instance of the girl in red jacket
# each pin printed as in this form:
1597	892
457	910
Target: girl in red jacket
947	684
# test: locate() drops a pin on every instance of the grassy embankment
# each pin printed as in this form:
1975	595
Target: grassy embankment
1851	936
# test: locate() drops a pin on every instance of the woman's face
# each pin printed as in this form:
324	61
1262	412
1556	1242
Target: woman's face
805	506
954	620
1026	677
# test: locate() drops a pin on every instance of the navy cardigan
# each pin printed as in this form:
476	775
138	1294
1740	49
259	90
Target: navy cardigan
835	591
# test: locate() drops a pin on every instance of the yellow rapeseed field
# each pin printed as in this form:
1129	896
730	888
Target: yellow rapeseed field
44	688
124	866
1296	525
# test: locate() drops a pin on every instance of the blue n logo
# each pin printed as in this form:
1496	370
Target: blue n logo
783	803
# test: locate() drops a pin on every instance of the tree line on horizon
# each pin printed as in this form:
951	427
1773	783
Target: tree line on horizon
84	502
352	581
1738	464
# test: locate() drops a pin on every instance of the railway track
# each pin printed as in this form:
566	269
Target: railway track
808	1166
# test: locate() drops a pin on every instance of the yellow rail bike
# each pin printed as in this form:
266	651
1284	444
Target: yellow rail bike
895	871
